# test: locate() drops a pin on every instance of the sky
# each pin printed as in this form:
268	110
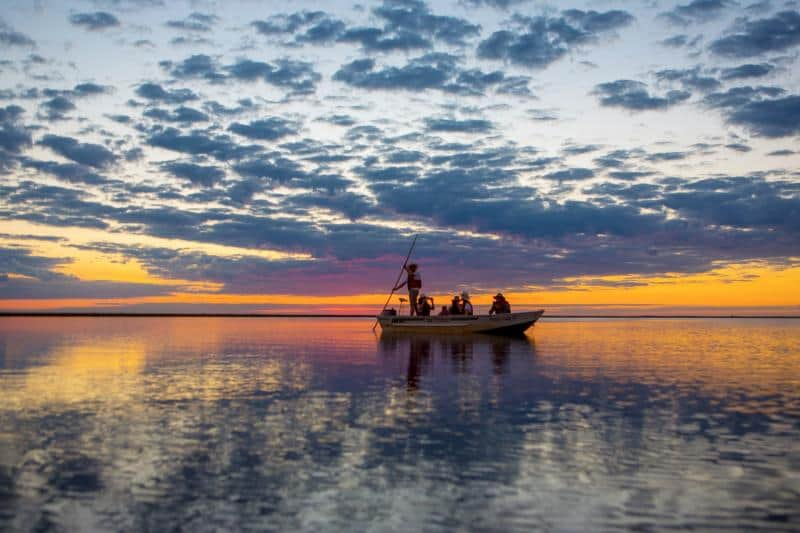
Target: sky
267	156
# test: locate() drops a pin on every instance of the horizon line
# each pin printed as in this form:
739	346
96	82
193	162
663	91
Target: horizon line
332	315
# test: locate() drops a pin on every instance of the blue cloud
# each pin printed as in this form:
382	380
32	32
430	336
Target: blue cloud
57	108
299	76
99	20
13	135
196	66
182	114
92	155
268	129
697	11
634	95
69	172
570	174
204	175
431	71
453	125
195	22
540	41
198	142
155	92
10	37
689	79
775	34
746	71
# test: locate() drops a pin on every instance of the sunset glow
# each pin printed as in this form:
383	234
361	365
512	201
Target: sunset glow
282	159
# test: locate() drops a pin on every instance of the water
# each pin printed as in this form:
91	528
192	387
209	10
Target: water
316	424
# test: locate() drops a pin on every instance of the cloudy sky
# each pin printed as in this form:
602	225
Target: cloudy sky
197	154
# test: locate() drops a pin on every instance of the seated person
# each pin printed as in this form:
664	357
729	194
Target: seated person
445	311
466	305
425	305
455	306
500	305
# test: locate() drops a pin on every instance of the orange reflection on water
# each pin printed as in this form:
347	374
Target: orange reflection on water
756	356
66	360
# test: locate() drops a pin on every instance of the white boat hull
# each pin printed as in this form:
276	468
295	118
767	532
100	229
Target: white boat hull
509	323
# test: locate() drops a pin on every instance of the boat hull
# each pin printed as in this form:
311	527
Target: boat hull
504	324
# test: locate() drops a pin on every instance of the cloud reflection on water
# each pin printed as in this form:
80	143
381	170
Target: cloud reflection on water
304	424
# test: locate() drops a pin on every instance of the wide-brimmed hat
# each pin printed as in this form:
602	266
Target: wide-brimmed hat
464	295
499	296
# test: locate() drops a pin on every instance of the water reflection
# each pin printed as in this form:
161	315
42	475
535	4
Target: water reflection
311	424
458	350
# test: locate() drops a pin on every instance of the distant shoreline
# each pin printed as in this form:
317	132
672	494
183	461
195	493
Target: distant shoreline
319	315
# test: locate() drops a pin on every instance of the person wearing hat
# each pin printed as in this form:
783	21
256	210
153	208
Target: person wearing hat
500	305
455	306
466	305
425	305
414	282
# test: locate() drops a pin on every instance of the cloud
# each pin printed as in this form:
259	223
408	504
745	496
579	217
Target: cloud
779	117
738	147
156	93
22	262
92	155
431	71
759	109
90	89
746	71
198	142
689	79
182	114
697	11
13	135
10	37
453	125
299	76
314	27
676	41
570	174
195	22
196	66
56	108
68	172
634	95
268	129
99	20
500	4
666	156
775	34
737	97
539	41
781	153
415	16
204	175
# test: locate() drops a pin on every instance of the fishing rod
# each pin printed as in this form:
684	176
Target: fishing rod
400	275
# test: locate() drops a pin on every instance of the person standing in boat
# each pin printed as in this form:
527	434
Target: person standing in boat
500	305
414	283
466	305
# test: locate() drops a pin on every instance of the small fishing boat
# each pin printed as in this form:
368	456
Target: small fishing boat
505	324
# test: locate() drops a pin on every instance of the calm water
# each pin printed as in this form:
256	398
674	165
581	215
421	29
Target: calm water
314	424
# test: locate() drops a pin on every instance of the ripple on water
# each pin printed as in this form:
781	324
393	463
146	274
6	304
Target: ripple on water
210	424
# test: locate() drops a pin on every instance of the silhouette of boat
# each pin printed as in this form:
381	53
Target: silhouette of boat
504	324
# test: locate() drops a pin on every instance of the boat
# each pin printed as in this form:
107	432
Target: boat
504	324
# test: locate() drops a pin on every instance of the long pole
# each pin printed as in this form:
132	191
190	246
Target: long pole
400	275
